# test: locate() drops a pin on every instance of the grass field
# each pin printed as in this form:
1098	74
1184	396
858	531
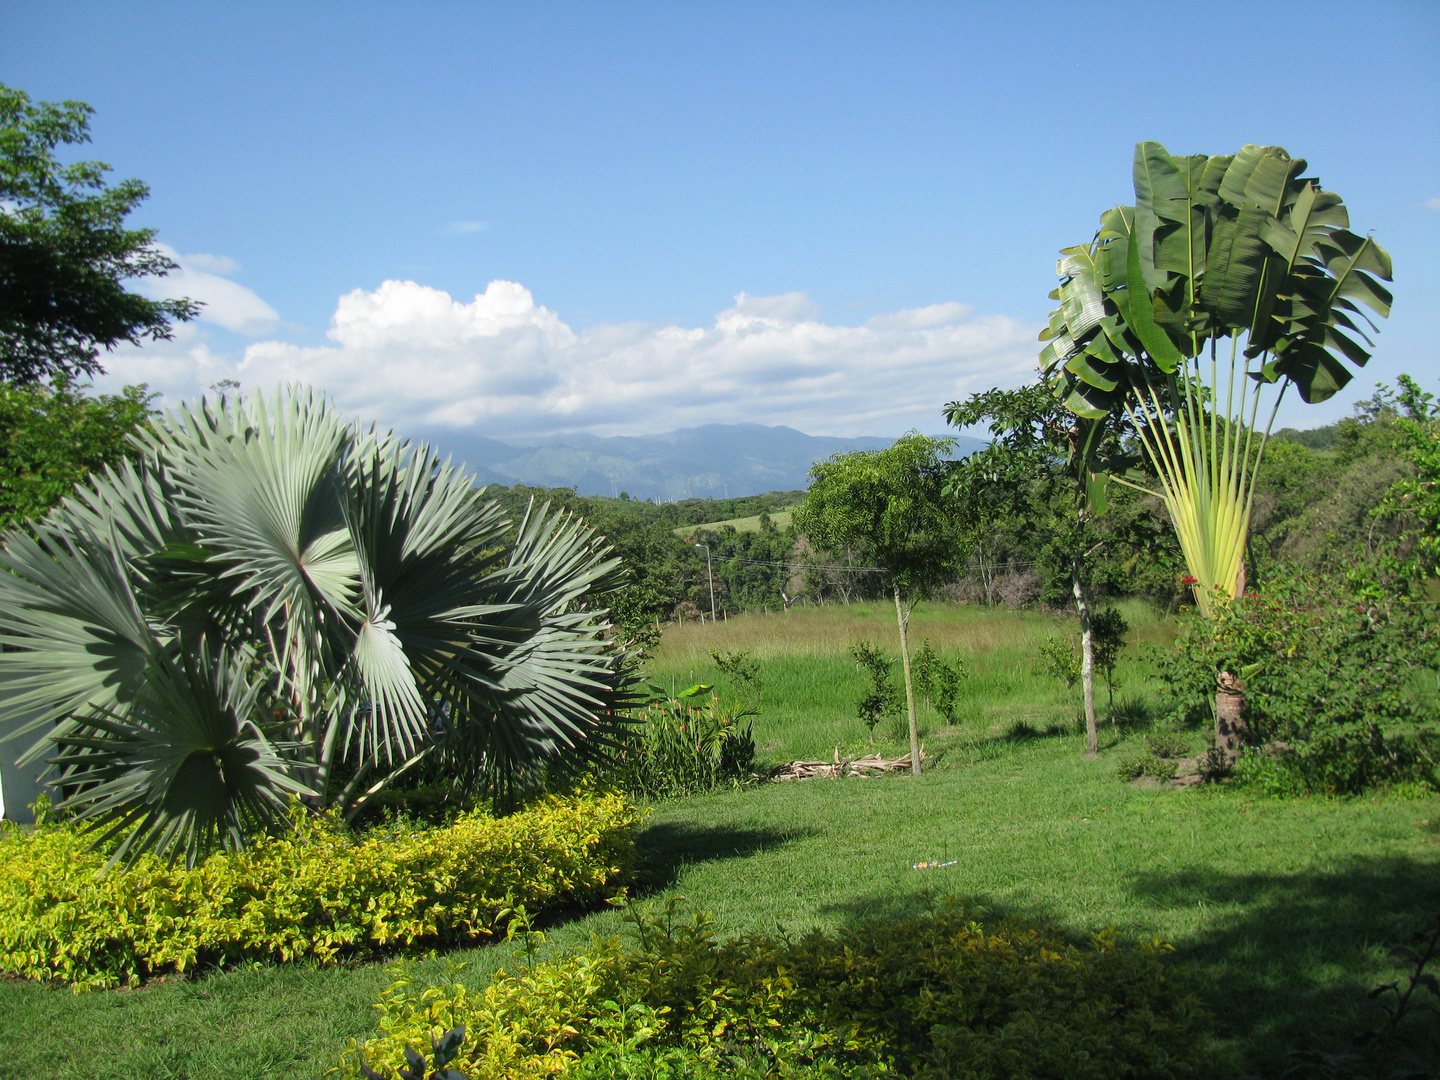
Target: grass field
781	519
811	683
1285	909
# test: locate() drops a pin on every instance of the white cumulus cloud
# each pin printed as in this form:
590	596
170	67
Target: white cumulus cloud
501	365
227	303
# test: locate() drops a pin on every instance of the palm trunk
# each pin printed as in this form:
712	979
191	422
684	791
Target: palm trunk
903	623
1087	665
1232	730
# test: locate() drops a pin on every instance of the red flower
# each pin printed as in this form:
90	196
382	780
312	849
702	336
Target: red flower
1188	580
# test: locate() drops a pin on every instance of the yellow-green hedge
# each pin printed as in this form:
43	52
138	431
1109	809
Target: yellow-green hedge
947	995
313	892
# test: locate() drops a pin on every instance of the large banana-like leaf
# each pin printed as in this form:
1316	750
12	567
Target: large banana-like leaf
1241	247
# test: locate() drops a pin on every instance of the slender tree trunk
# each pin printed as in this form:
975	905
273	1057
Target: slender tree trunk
903	623
1087	665
1232	730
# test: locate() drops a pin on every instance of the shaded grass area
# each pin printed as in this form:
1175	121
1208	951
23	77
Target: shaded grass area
1287	909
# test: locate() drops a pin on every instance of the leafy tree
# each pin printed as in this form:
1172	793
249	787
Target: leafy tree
1415	500
751	568
1058	660
52	437
939	681
1051	467
1108	629
65	253
276	602
889	507
1240	247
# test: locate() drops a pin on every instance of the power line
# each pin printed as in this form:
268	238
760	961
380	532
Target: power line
1009	565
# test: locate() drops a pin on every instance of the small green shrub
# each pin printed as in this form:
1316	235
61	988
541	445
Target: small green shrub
946	995
740	666
882	697
1107	637
1147	764
1167	744
681	745
1059	660
938	681
1159	760
314	892
1267	774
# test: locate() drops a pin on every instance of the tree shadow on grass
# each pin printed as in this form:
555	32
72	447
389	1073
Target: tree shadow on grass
929	893
665	849
1285	963
1290	969
1022	731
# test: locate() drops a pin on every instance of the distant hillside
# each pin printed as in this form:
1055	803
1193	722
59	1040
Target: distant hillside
715	461
680	517
1320	438
780	519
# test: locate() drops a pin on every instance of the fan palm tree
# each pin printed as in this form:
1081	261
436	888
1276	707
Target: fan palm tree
277	603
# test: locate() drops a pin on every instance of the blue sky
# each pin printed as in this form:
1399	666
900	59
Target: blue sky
834	216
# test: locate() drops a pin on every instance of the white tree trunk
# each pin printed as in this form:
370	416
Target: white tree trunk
1087	667
902	621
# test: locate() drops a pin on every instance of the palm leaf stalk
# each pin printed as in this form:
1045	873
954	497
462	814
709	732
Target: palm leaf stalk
276	603
1240	247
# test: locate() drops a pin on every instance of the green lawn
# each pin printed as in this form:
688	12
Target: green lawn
1286	908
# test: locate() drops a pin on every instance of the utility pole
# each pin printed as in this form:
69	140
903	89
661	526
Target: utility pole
709	574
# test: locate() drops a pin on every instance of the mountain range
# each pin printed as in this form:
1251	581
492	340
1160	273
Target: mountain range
711	461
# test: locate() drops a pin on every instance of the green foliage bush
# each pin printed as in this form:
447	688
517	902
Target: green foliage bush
313	892
1107	637
1339	681
1059	660
938	681
53	436
945	995
1159	759
1267	774
681	745
1167	744
882	696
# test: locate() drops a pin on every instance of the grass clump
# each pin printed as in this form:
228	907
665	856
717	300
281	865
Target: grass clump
315	892
1159	760
945	994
